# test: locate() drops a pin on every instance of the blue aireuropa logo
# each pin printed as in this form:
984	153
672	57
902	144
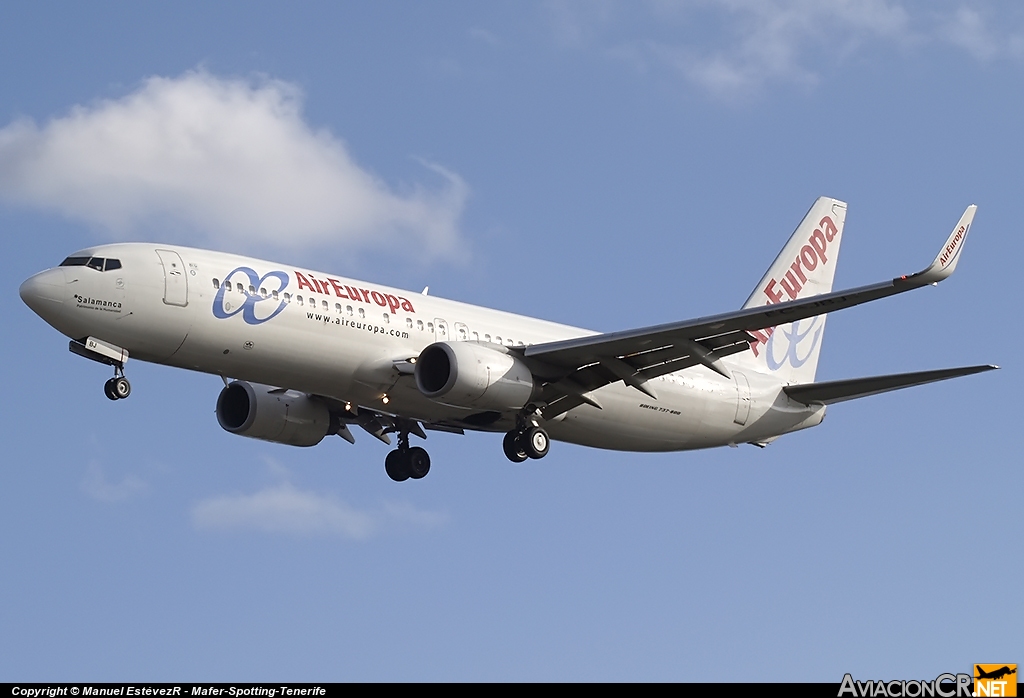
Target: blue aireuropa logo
794	335
224	307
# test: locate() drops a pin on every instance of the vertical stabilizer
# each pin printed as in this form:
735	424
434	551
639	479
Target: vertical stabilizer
805	267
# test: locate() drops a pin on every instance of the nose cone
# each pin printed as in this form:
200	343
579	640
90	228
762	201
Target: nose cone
44	293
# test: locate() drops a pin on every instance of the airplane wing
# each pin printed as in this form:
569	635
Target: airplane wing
575	367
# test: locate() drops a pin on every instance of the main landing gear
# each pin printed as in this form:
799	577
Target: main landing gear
529	440
405	462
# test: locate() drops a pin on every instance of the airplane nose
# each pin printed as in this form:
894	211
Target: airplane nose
44	293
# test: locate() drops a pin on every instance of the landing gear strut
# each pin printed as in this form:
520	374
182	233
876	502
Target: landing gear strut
529	440
405	462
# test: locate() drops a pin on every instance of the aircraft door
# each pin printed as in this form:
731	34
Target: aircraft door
742	398
175	278
440	330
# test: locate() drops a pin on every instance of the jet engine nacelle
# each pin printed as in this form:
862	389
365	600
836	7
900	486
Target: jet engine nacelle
466	374
281	416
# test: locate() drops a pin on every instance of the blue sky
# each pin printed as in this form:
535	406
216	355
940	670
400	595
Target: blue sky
604	164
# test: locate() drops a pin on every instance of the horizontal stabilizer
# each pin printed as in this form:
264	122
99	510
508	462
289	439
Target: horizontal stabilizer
839	391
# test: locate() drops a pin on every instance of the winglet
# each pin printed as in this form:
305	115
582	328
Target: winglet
945	263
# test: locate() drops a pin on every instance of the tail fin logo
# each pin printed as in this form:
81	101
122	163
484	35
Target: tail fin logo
802	332
807	260
813	254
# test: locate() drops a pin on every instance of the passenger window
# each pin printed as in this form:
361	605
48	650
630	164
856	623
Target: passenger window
509	342
497	339
419	325
337	308
274	294
324	304
387	318
348	309
476	336
430	327
298	299
362	313
95	263
216	283
408	322
287	298
487	337
252	290
263	292
112	264
239	287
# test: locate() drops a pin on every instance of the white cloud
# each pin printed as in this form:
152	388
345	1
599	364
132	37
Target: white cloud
96	485
967	29
401	514
754	42
575	23
487	37
732	47
288	510
224	158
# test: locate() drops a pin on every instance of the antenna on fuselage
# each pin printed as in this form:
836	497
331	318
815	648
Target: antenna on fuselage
425	289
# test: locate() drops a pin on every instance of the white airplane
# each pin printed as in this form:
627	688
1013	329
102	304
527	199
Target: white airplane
312	354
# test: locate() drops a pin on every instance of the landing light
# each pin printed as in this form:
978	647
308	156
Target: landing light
385	399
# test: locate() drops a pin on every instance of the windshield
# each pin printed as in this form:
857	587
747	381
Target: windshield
97	263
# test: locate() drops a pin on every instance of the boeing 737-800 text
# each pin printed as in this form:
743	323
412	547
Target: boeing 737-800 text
304	354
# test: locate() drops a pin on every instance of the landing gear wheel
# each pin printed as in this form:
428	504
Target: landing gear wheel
117	388
405	462
396	465
418	462
535	442
121	387
513	448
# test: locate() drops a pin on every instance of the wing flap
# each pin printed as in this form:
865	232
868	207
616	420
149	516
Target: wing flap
831	392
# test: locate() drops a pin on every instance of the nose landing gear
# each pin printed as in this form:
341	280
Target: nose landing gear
117	388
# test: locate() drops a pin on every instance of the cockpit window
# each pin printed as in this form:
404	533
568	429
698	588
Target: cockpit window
97	263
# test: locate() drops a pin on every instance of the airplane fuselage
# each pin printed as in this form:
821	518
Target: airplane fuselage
344	339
